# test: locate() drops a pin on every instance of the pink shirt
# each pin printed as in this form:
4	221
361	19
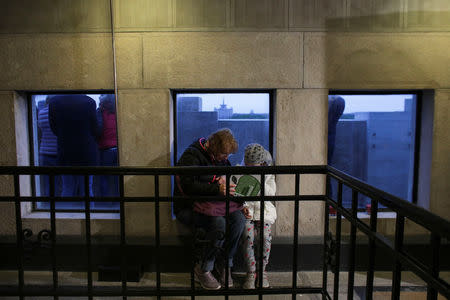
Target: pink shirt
108	139
215	208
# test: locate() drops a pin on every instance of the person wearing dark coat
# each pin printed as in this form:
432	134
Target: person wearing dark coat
74	122
336	106
210	215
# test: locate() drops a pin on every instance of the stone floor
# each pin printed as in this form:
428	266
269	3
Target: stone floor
412	287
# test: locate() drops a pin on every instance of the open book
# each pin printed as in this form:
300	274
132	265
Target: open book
246	185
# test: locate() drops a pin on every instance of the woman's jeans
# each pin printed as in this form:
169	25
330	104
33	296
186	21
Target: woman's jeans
215	230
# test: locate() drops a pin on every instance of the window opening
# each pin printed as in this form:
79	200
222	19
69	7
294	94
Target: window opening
372	136
75	130
247	113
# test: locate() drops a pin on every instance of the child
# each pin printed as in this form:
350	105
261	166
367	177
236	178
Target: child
256	155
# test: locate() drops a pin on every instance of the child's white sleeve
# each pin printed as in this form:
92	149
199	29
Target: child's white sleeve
270	187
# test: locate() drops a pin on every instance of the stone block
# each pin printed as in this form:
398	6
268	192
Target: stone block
56	61
222	60
317	15
190	14
261	14
376	61
430	15
301	140
129	61
141	15
301	127
387	15
440	165
45	16
144	128
8	128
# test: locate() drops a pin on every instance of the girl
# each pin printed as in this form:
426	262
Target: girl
256	155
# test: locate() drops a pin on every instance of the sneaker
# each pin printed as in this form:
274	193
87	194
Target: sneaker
265	281
206	279
249	282
221	273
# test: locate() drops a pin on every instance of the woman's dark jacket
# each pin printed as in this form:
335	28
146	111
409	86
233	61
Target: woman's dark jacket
203	185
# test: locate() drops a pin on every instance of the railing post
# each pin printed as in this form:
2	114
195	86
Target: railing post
296	217
261	236
53	233
227	231
352	250
325	237
123	267
338	243
397	275
19	235
435	245
87	214
157	238
372	249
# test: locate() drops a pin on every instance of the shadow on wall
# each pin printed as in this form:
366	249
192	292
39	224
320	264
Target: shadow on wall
379	61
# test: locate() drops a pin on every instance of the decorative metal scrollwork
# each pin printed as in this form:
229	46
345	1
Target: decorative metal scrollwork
43	240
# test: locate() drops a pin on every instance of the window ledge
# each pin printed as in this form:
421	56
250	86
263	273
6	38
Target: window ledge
380	215
71	215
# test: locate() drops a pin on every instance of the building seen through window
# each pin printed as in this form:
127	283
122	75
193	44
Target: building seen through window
372	137
246	114
75	130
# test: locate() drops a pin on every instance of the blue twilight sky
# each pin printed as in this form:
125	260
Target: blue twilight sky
244	103
259	103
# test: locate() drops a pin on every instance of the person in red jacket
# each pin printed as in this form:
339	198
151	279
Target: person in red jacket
108	186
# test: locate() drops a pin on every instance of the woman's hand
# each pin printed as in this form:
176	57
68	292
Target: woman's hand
246	213
223	187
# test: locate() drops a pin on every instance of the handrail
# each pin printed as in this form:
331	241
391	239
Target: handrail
193	170
417	214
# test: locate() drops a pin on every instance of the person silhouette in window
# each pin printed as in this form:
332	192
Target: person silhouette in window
73	120
108	186
336	106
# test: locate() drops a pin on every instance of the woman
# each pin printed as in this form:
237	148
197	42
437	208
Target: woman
210	215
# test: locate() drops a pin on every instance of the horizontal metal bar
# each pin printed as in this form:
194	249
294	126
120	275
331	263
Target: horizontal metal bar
184	170
77	291
160	199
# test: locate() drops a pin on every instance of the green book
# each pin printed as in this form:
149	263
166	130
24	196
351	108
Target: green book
246	185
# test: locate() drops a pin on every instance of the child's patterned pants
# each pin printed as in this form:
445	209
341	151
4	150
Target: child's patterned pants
251	247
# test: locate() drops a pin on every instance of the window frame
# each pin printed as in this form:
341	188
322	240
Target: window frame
272	99
29	96
417	134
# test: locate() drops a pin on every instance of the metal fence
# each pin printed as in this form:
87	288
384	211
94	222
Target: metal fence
439	229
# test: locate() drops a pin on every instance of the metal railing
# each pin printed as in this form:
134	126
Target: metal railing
439	231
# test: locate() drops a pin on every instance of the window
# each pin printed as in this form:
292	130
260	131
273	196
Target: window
374	137
247	114
74	130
